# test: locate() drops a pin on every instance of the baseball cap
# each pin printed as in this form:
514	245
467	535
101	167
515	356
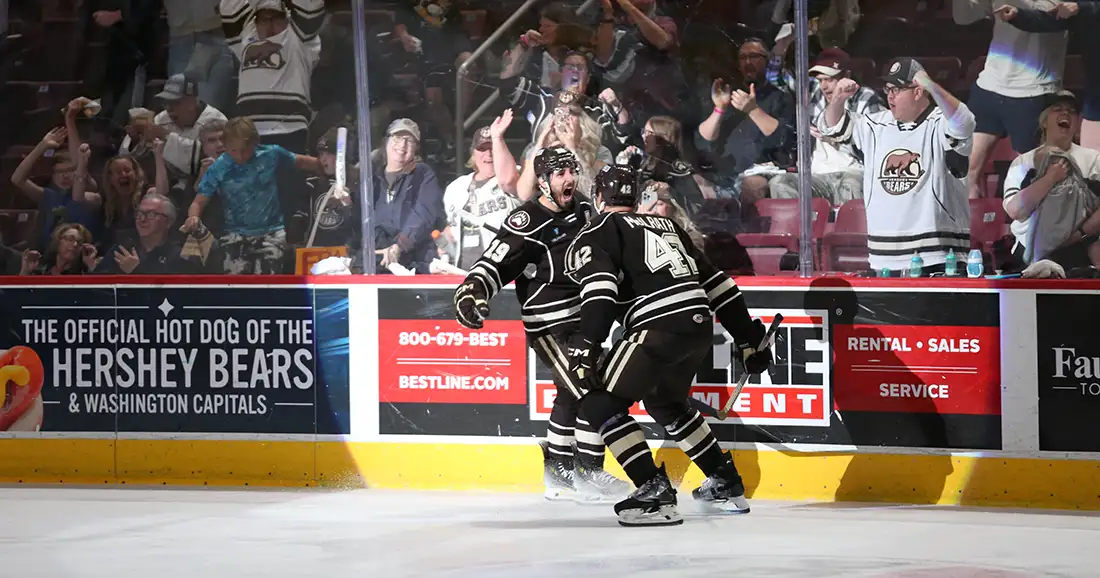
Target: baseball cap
481	138
831	62
902	71
276	5
1063	97
404	125
177	87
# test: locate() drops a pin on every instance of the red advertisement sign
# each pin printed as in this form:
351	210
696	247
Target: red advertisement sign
756	401
918	369
795	392
439	361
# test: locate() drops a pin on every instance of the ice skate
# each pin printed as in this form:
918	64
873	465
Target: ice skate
594	484
557	475
653	504
724	490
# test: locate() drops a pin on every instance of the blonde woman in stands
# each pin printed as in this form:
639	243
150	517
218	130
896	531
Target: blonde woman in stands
657	200
123	184
70	252
570	127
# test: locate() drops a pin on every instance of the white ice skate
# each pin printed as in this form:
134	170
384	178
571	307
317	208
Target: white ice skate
723	491
596	486
557	476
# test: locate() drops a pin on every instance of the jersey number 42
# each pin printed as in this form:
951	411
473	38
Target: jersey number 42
666	251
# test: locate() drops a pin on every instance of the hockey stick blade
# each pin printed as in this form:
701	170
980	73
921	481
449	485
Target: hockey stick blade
769	336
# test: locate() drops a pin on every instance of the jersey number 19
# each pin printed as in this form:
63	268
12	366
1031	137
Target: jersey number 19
667	252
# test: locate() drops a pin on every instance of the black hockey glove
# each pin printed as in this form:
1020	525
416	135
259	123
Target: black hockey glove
471	304
584	361
754	361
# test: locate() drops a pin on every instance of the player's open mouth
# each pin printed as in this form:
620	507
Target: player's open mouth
1063	123
567	194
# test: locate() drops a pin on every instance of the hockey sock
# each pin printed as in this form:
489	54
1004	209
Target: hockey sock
623	436
590	448
559	432
693	435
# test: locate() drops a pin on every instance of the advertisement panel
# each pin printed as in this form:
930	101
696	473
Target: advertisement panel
429	360
177	359
795	391
919	369
1068	361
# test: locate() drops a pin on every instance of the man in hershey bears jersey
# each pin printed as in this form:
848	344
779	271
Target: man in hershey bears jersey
530	249
646	269
277	45
916	156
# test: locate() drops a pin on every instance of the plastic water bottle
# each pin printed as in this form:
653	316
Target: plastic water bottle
884	272
916	264
951	264
974	264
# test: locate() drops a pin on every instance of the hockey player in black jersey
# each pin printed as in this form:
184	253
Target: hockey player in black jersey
530	249
645	269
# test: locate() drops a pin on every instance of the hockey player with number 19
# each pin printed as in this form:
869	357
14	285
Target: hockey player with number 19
646	269
530	249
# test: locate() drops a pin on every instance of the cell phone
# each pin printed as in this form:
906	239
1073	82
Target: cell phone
648	199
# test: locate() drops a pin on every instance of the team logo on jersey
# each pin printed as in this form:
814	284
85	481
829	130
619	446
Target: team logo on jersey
901	171
519	220
263	54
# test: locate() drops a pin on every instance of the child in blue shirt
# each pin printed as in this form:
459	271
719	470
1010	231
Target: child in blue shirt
245	178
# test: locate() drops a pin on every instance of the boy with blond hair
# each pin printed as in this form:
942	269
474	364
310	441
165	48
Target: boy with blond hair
244	177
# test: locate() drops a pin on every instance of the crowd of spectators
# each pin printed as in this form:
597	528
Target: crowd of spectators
228	163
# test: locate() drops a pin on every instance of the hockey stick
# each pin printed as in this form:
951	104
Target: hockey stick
341	180
769	336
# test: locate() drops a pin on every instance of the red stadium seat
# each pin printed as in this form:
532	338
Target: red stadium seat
784	218
845	247
988	223
1074	77
864	70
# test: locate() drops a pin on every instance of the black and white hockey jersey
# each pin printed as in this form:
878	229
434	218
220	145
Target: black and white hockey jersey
530	249
914	185
646	270
275	72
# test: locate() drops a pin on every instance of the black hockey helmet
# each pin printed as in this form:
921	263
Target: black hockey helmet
617	185
553	159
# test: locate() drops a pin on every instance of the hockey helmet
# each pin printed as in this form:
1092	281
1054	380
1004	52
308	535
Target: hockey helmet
553	159
617	185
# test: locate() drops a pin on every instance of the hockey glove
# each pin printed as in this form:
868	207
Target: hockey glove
584	361
755	362
471	304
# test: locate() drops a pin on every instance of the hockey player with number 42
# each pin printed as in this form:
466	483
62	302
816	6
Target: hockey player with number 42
645	269
530	249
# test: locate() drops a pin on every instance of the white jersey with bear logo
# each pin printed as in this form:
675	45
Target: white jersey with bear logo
275	72
914	186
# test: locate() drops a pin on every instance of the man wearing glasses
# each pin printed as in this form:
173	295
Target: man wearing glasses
755	140
153	252
916	156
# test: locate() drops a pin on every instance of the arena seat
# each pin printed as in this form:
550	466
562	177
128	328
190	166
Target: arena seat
783	218
845	247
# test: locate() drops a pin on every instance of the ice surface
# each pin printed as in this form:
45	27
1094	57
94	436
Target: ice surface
64	532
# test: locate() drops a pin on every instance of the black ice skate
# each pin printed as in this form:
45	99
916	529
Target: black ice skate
653	504
724	490
557	475
594	484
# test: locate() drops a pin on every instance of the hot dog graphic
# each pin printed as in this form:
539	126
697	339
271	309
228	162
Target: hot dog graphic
21	376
